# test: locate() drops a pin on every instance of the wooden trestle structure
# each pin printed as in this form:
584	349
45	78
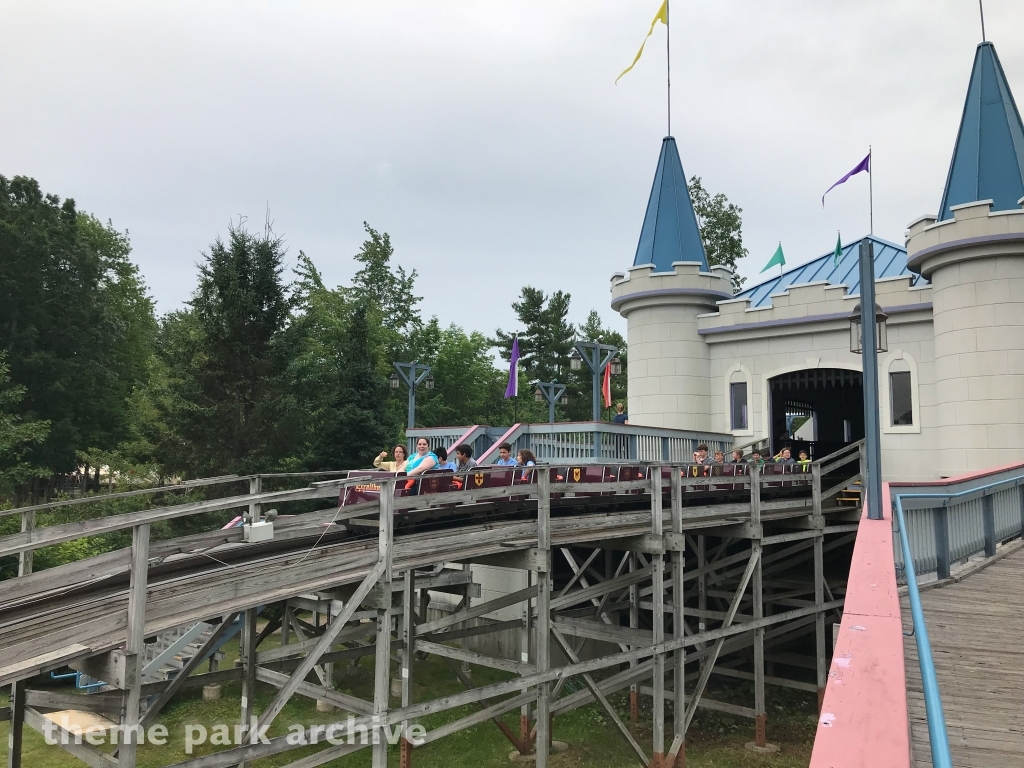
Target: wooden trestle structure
672	577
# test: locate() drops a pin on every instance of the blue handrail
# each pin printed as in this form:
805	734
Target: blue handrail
937	736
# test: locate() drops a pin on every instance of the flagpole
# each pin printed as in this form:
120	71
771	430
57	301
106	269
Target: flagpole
668	68
871	191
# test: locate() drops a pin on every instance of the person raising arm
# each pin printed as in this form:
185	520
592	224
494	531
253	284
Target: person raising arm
391	466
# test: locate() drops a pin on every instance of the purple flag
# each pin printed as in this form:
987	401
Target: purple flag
863	165
513	371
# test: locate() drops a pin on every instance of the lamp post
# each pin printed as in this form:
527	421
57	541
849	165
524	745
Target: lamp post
551	391
413	374
597	357
868	337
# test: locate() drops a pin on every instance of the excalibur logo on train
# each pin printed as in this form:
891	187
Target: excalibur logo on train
348	732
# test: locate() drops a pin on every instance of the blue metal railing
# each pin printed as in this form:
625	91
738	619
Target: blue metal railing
937	736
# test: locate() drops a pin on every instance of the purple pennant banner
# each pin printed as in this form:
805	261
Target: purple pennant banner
513	371
863	165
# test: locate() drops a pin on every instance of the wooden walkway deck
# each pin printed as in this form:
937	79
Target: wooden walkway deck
976	628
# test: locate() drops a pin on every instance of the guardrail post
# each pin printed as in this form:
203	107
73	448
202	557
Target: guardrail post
28	522
940	520
134	646
408	637
678	627
658	622
597	443
382	663
819	617
634	623
760	708
666	449
632	447
543	616
988	518
247	657
255	487
14	739
524	655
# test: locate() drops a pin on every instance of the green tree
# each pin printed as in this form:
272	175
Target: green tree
546	339
76	322
721	228
387	288
357	419
468	389
230	406
17	436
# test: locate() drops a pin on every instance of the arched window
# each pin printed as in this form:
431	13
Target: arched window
900	399
738	397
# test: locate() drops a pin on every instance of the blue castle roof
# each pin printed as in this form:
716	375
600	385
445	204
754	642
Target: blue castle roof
890	261
988	161
670	231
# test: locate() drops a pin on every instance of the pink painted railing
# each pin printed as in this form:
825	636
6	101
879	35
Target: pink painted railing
863	721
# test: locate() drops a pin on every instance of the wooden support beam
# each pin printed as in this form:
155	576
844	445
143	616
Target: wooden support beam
472	657
407	638
323	644
678	745
382	665
247	655
463	678
68	741
341	700
543	745
658	628
134	647
480	609
14	737
698	691
191	666
596	693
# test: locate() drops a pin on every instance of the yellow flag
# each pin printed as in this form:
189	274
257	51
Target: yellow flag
662	16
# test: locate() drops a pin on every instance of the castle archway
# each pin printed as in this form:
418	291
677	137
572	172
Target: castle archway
819	410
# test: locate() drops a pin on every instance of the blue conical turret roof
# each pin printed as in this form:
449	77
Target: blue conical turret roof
670	231
988	161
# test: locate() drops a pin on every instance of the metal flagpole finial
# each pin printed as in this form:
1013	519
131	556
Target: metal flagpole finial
981	9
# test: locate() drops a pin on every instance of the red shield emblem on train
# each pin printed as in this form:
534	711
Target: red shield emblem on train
478	479
433	484
576	474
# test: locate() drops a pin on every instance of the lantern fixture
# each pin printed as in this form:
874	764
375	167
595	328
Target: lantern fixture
856	331
429	382
538	396
394	381
576	360
616	366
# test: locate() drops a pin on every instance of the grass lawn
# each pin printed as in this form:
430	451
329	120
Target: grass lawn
714	739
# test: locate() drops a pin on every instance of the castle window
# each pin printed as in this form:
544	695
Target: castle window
738	401
901	399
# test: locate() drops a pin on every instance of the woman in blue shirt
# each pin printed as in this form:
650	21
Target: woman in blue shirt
422	460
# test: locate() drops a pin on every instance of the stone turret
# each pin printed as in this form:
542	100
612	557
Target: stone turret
973	254
661	296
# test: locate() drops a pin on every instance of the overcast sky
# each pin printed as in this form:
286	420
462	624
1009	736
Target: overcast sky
488	138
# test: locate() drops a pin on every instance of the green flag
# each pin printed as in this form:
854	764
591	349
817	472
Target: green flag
839	251
779	258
